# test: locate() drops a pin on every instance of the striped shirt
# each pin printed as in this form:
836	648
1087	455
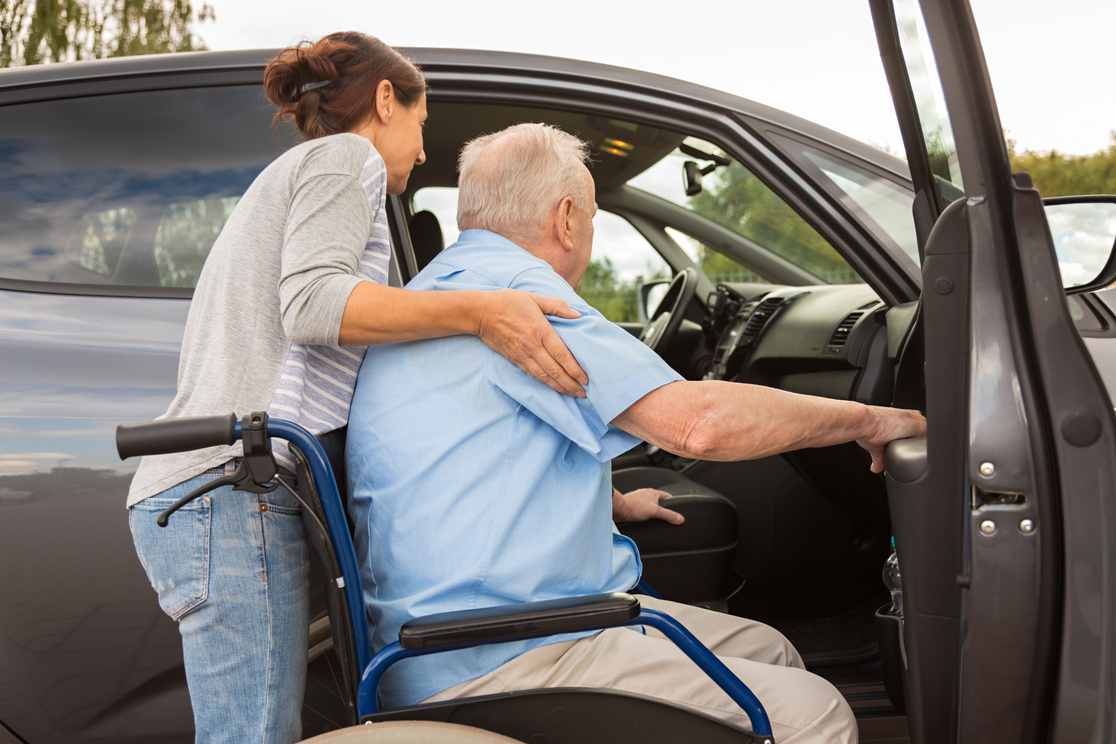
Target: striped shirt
316	386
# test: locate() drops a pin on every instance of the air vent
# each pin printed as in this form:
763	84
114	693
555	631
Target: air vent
840	336
758	319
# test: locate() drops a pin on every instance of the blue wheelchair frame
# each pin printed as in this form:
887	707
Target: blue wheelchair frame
158	438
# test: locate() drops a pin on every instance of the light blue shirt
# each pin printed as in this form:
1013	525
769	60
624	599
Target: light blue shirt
474	485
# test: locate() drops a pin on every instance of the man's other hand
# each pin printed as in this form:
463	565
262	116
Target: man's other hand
641	505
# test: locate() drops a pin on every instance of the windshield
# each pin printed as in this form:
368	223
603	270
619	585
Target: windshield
732	196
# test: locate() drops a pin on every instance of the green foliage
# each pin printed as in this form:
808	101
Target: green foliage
1055	174
603	290
741	202
39	31
720	268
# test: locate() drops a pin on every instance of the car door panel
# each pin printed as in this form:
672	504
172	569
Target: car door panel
924	478
1029	446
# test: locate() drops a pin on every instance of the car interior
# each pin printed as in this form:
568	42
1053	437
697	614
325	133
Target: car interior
798	540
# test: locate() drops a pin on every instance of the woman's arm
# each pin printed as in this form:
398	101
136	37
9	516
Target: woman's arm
511	323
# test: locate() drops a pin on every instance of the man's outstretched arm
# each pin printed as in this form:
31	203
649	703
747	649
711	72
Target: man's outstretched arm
725	421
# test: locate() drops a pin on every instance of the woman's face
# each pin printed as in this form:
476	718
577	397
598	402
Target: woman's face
399	142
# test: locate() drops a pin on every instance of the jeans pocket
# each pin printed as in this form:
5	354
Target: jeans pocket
175	557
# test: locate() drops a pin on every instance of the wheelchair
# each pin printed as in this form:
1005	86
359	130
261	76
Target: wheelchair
555	716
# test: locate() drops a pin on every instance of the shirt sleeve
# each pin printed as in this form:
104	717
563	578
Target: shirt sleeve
329	220
620	367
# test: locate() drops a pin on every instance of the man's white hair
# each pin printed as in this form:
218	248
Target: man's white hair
511	180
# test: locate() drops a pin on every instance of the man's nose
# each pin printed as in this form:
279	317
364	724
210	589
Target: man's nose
421	158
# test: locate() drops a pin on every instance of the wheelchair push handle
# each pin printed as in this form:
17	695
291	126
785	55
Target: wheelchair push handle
174	435
255	471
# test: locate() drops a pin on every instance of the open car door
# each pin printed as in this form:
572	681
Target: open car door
1003	516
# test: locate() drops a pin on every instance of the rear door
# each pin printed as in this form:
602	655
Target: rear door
113	189
1002	516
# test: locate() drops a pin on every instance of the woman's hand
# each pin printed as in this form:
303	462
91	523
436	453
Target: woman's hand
514	325
641	505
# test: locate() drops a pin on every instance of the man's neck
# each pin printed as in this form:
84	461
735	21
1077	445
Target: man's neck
545	250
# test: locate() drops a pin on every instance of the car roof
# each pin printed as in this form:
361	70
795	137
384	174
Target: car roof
453	64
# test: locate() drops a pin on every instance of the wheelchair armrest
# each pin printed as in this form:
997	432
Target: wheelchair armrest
510	622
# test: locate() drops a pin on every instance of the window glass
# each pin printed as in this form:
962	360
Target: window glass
717	266
929	99
622	261
98	239
442	201
734	197
185	234
888	205
128	189
622	257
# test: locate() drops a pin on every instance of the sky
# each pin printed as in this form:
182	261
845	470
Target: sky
1050	63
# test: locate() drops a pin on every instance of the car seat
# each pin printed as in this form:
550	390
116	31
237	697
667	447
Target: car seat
426	237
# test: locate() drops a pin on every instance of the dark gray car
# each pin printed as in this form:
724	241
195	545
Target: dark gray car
116	176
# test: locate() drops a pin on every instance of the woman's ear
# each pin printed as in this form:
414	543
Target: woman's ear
385	101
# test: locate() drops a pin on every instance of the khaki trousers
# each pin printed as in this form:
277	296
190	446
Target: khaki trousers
802	706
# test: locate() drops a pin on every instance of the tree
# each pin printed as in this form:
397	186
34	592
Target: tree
39	31
744	204
1055	174
602	289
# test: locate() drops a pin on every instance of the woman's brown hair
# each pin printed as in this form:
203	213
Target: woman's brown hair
329	86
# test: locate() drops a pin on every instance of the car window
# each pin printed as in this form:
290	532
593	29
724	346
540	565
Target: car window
622	257
736	198
186	232
442	201
135	196
929	99
720	268
622	261
884	202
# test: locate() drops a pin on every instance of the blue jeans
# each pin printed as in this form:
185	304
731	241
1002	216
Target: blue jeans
232	568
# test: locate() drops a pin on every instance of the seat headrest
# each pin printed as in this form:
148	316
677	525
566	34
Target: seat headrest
426	237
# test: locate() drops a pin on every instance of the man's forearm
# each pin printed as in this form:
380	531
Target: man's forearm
716	420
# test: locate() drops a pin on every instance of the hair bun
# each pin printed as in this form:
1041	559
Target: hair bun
293	68
325	87
316	69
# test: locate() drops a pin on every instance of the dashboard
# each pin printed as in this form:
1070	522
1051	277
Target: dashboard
829	340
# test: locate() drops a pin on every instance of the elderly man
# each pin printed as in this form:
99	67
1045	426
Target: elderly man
473	485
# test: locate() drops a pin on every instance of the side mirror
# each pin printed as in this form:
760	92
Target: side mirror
1084	233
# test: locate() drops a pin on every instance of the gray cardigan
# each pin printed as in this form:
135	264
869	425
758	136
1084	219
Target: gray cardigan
281	271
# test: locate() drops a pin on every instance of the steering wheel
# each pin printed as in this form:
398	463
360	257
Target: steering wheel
663	326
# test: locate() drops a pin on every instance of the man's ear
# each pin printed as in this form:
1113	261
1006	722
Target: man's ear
563	223
385	101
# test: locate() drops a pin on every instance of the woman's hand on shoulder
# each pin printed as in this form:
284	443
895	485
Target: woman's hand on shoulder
514	325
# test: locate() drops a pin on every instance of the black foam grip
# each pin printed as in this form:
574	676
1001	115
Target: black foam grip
174	435
510	622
